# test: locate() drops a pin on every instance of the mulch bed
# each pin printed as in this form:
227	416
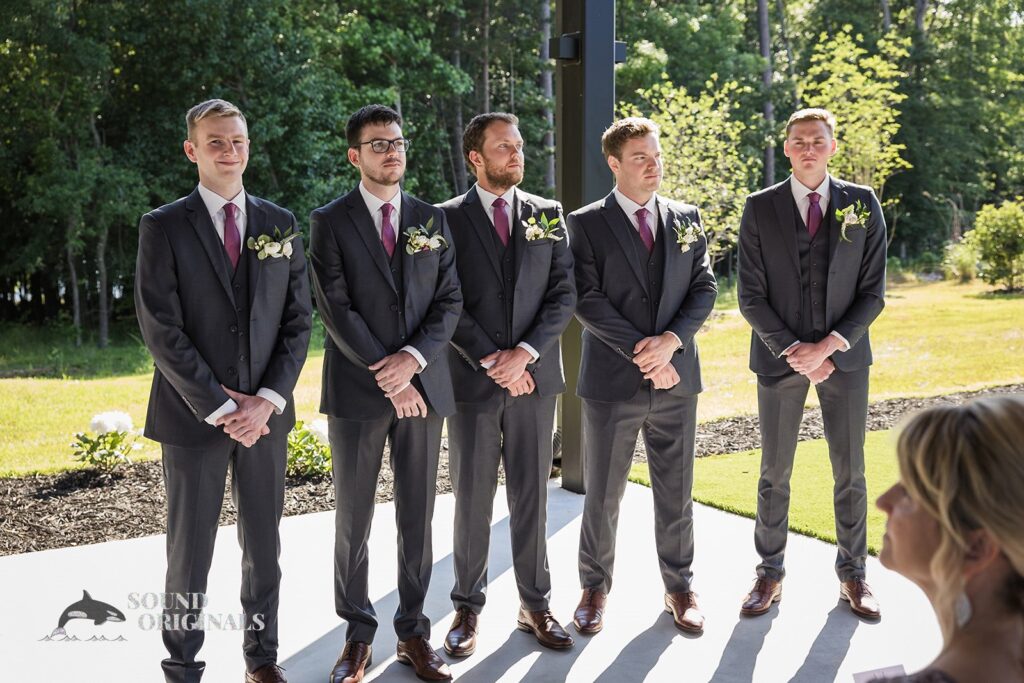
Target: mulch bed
80	507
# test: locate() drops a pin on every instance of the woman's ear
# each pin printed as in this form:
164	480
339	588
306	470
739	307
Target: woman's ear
982	552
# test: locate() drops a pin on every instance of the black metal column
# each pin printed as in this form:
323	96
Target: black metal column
586	53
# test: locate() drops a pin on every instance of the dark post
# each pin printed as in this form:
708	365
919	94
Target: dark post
586	53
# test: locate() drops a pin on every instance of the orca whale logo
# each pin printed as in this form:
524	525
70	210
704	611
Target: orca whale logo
93	610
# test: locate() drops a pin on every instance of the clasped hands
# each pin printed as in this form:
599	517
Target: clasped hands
812	359
509	370
394	375
653	355
248	422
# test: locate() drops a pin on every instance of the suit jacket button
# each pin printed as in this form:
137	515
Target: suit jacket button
243	358
500	296
232	371
643	299
402	336
233	328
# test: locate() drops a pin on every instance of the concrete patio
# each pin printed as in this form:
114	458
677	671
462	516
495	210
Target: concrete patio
810	637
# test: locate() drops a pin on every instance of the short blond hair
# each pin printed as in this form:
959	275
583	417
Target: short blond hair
964	465
814	114
211	108
624	130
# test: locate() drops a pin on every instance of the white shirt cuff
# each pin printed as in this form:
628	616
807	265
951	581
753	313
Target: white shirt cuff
789	348
273	397
229	406
417	355
488	365
530	350
678	340
842	339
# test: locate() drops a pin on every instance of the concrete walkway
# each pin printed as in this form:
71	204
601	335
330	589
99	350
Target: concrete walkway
809	637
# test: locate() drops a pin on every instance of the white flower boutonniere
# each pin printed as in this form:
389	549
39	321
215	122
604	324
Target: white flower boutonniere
687	232
277	246
420	238
855	215
544	230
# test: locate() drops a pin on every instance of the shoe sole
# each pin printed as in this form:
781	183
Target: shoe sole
759	612
459	653
589	631
405	660
526	628
873	616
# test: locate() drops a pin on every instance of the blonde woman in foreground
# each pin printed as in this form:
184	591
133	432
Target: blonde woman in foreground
956	528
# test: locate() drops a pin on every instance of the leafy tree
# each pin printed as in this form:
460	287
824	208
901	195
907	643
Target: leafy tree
998	238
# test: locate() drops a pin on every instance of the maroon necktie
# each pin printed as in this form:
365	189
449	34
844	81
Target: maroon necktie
813	214
645	230
387	231
232	240
501	220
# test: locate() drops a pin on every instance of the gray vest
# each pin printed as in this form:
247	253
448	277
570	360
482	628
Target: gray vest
814	261
654	267
240	374
397	274
507	259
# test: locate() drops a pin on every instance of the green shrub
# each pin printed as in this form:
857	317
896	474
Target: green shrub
927	262
114	440
998	236
309	455
960	261
894	270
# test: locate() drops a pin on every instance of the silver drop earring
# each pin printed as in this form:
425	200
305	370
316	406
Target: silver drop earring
962	610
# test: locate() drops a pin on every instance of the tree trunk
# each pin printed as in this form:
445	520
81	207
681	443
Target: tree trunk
766	82
920	9
485	73
886	16
102	290
457	126
76	304
790	60
548	89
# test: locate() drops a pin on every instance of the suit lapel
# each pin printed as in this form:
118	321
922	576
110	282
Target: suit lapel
255	225
673	257
410	218
621	227
480	225
783	201
521	211
199	216
838	197
361	218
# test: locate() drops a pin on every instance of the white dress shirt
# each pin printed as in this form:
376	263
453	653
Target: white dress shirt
488	199
215	205
374	204
803	205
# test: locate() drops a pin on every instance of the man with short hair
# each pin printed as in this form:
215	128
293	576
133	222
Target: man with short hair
228	332
507	372
811	282
388	293
645	287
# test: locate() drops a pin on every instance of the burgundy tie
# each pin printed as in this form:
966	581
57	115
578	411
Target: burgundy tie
813	214
645	230
387	231
232	240
501	220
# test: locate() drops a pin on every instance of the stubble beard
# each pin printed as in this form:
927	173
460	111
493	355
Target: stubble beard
384	177
502	178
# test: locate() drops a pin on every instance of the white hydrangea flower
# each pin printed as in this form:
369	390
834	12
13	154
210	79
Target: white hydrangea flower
111	421
319	429
534	233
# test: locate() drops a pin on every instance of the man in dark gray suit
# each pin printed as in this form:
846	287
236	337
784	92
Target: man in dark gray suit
388	293
228	331
645	287
506	365
810	285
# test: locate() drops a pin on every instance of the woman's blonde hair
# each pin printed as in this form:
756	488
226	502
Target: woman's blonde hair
965	466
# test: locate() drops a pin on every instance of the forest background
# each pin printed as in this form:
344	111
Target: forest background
928	94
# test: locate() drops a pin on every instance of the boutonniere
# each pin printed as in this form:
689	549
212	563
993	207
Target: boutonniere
544	230
420	238
687	232
855	215
277	246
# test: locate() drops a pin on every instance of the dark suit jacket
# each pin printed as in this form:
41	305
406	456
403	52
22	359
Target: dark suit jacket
187	314
542	302
613	299
769	275
357	298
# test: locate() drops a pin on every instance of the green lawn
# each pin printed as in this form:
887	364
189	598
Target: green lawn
931	339
729	482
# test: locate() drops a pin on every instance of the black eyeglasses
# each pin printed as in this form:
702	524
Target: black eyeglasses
401	145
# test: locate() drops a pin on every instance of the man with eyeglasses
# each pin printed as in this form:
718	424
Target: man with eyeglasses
388	293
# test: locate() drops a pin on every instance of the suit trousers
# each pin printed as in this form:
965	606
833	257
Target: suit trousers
358	450
194	480
668	424
844	405
517	432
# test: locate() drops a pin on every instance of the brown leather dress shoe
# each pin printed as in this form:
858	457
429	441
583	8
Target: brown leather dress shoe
863	603
268	673
760	598
461	640
685	612
589	616
545	629
351	665
417	653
